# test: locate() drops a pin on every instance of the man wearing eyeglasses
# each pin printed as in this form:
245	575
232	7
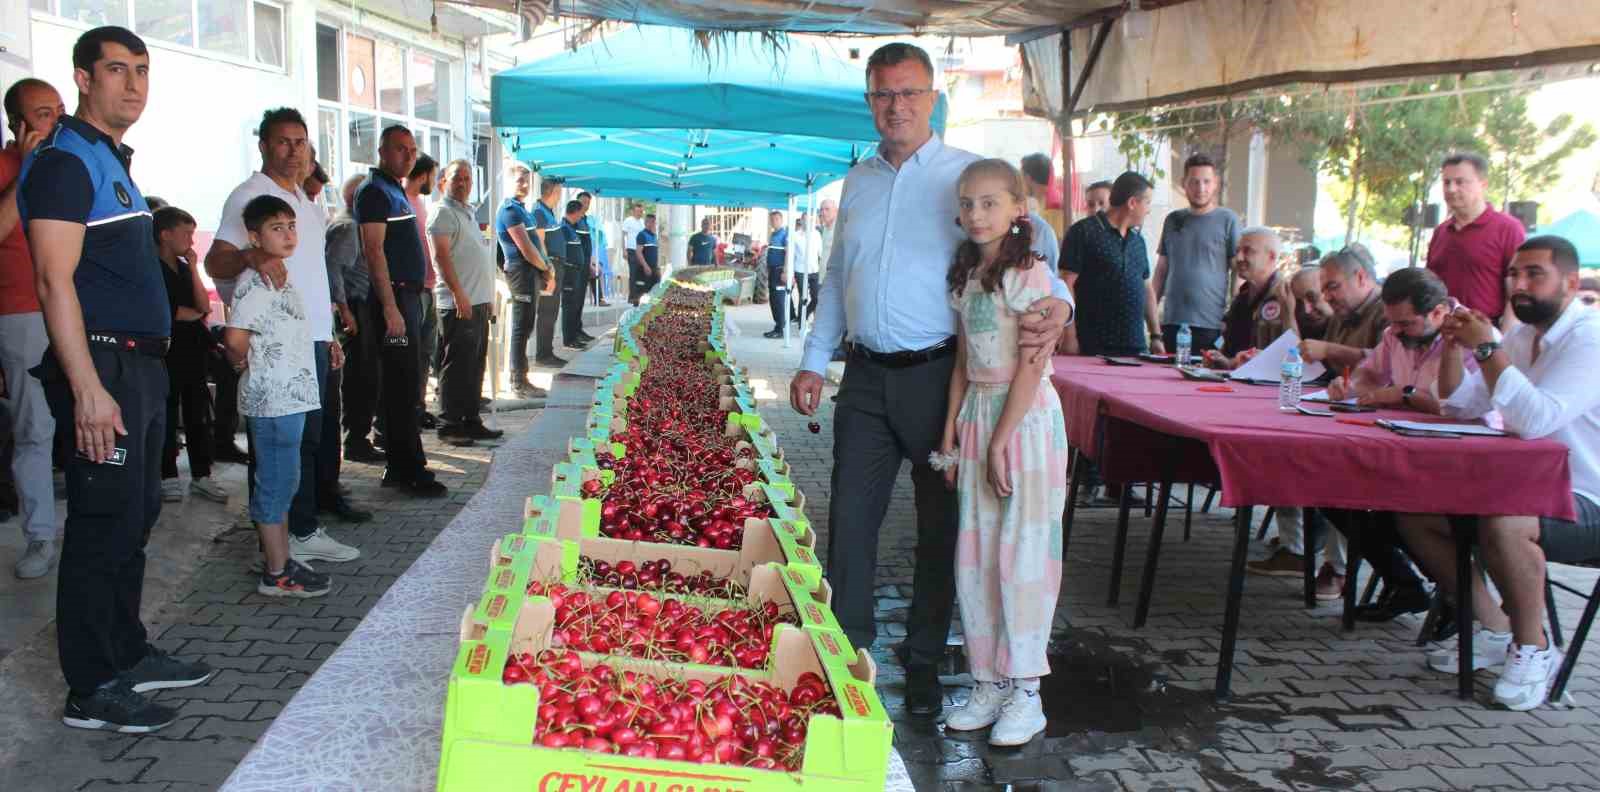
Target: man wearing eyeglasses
895	237
1350	285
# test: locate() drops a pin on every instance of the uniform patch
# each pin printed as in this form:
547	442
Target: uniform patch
1271	310
122	195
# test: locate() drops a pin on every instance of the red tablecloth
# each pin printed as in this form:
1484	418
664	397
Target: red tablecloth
1265	457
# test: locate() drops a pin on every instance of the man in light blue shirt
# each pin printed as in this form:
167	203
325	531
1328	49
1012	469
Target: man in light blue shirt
894	241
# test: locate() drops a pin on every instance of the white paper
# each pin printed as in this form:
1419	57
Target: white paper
1456	428
1322	396
1267	365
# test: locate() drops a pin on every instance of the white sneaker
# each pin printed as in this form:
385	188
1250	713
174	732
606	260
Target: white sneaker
321	547
1489	650
171	490
35	560
982	708
1021	719
208	489
1525	684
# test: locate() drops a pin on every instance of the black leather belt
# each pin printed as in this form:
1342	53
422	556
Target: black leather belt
914	357
144	345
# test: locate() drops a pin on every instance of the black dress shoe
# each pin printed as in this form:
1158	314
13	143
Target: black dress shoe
924	692
551	361
342	509
427	420
586	338
477	431
1394	602
423	486
230	453
772	334
576	346
364	452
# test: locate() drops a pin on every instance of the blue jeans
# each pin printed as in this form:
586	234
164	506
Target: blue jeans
277	470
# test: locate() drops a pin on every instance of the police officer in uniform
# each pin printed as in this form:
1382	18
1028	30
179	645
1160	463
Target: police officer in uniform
592	265
547	229
647	272
574	277
393	250
777	277
104	301
526	272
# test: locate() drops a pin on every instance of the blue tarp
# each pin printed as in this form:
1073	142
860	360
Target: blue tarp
647	109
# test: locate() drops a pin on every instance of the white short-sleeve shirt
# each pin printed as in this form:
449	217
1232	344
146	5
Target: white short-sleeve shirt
308	268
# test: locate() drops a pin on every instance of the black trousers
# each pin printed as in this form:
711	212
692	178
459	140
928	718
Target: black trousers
1378	543
225	408
639	283
187	396
524	311
778	299
883	417
401	369
328	447
363	371
111	508
574	283
545	326
805	296
465	345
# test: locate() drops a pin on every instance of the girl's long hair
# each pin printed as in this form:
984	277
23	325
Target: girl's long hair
1016	249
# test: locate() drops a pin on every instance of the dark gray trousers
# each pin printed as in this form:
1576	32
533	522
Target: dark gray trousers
883	416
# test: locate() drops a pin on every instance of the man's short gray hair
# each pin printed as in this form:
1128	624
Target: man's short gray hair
1352	257
1274	241
457	163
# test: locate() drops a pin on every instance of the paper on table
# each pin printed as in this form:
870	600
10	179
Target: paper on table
1454	428
1267	365
1322	396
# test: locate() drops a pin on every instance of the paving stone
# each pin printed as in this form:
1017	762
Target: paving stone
1550	775
1477	777
1402	758
1410	779
1481	756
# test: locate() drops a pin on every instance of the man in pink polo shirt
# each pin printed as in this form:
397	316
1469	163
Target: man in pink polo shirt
1471	249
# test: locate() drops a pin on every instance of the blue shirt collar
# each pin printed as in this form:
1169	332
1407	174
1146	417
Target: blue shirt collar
93	134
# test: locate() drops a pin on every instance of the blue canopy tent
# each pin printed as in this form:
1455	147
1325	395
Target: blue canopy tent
649	107
1582	229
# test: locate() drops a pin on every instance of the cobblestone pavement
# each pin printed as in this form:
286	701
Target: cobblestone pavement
1314	708
263	648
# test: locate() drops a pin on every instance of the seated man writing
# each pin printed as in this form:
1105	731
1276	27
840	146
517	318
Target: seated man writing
1402	373
1258	314
1541	380
1350	285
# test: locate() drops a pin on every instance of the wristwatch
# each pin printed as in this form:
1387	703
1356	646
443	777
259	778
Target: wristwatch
1485	350
1405	394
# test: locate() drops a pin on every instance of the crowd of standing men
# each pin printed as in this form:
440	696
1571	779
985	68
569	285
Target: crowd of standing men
108	340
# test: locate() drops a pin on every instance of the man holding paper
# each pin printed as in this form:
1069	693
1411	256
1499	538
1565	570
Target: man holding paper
1258	314
1541	381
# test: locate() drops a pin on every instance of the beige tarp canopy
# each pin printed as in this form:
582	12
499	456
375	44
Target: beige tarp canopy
1165	51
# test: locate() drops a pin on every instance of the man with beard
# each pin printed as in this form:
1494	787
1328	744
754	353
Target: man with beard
1194	258
1471	249
1541	381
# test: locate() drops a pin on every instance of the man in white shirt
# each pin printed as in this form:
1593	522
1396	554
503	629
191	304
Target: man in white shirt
805	248
631	226
1541	380
895	239
285	150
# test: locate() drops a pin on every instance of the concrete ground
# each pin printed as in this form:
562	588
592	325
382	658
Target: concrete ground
1314	708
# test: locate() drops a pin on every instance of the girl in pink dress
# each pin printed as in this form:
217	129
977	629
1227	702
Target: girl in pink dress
1005	452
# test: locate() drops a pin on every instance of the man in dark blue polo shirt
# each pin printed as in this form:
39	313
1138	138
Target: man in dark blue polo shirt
589	236
778	274
393	249
703	246
574	277
1108	269
547	230
526	272
647	272
104	302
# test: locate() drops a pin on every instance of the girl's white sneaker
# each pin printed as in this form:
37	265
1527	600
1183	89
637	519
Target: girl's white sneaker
1021	719
982	709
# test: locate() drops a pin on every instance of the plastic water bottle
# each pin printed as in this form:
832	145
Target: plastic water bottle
1185	338
1289	385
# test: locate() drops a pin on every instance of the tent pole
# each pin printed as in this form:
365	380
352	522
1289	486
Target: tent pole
783	316
811	212
1064	129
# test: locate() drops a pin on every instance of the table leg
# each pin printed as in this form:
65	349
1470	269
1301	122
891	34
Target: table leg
1188	512
1157	532
1120	551
1230	619
1466	532
1077	465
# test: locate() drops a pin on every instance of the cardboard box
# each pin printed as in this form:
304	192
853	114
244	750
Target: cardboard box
489	727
